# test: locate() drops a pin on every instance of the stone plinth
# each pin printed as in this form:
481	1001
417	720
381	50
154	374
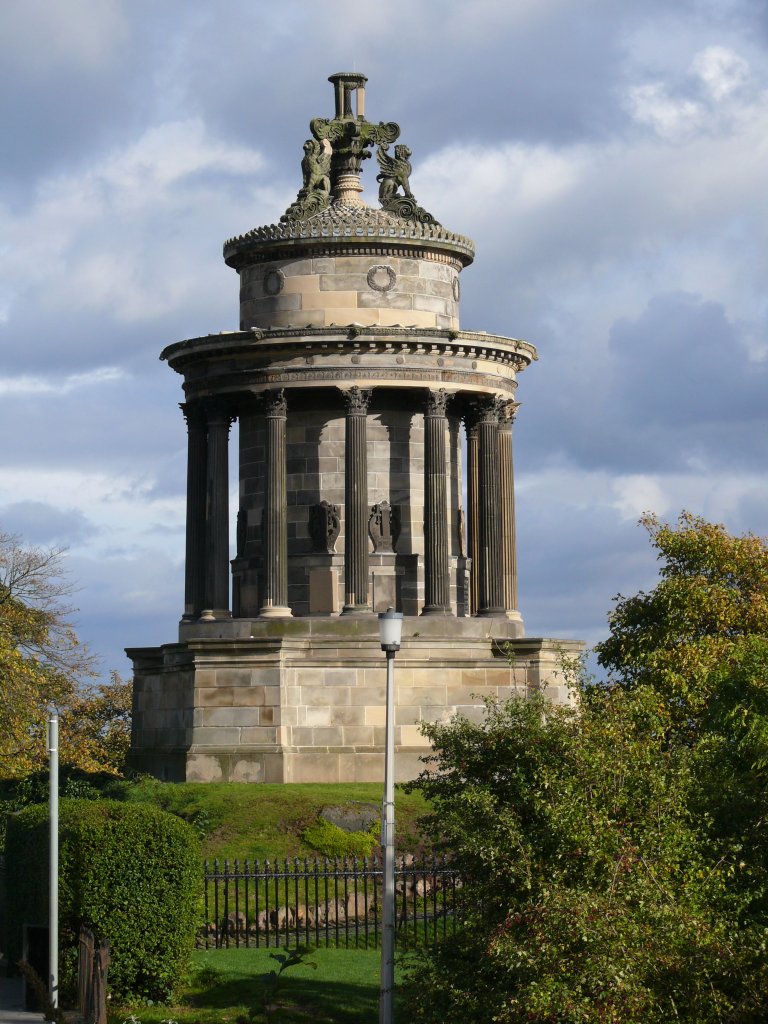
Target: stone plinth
303	700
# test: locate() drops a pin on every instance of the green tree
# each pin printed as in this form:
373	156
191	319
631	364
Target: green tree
709	605
615	854
44	665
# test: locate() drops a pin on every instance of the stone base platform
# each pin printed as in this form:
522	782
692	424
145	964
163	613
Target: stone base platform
302	700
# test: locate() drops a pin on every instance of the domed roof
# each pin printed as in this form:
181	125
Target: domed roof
341	224
328	214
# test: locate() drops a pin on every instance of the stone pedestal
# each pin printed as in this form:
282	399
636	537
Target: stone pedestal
302	700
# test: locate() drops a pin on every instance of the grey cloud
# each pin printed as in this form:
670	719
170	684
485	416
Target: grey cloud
129	601
39	523
675	387
572	559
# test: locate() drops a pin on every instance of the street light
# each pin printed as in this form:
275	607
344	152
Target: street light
53	856
390	632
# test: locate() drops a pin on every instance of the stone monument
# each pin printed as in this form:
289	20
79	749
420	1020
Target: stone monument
352	383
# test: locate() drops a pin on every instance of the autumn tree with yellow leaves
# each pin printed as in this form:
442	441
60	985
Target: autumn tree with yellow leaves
43	666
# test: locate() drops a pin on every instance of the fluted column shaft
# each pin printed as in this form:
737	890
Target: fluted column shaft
437	597
473	529
217	517
356	501
197	457
491	597
275	541
507	501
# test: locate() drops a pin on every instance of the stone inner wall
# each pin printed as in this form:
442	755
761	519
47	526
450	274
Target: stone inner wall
315	472
321	291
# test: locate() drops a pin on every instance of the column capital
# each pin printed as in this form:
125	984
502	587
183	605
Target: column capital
275	403
508	414
218	410
194	413
436	402
357	400
488	408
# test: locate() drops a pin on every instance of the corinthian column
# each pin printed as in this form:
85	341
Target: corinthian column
507	500
356	502
473	512
275	542
217	518
197	455
491	597
437	600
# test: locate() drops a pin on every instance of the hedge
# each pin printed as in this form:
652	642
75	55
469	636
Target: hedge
131	872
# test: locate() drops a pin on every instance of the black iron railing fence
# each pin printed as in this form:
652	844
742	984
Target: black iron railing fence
326	902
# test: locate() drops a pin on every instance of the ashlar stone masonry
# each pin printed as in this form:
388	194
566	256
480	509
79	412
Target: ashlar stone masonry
356	393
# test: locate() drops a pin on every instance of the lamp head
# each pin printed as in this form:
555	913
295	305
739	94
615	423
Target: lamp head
390	630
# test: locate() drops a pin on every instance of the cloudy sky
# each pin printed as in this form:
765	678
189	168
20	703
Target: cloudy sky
609	158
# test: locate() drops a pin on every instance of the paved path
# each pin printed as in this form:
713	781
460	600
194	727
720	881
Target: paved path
12	1004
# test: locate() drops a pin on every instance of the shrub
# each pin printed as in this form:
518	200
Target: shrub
332	841
131	872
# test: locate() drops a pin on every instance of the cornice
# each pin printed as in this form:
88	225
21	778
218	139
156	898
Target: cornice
354	339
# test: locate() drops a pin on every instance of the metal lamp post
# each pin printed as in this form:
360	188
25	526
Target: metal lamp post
390	631
53	879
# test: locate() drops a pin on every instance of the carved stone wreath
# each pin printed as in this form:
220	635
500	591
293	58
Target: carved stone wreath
273	282
381	278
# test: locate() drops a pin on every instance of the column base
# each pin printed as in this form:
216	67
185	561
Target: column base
275	611
436	609
356	609
212	614
491	613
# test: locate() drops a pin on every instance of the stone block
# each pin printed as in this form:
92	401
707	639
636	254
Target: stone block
433	304
344	315
416	696
319	716
403	716
377	715
274	767
320	697
351	714
203	768
361	767
405	318
230	716
356	264
340	676
443	289
436	271
342	282
411	736
217	737
345	300
357	735
319	736
271	303
311	767
247	770
385	300
295	268
259	734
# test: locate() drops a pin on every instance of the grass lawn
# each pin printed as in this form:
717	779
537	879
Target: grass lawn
266	820
226	983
